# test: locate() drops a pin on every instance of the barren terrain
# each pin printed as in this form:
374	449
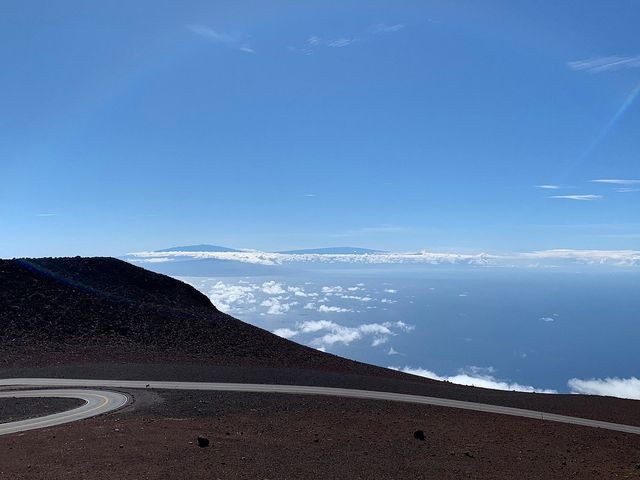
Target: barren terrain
105	319
289	436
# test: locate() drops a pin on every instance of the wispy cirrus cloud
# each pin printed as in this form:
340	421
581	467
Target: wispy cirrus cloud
581	198
237	41
625	185
616	181
46	214
548	187
382	28
605	63
316	42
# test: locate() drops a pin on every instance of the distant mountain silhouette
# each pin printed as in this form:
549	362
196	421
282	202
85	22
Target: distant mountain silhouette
199	248
333	251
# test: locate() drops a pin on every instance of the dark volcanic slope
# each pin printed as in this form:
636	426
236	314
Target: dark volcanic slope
57	310
104	318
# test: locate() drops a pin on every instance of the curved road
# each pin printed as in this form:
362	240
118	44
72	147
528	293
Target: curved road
96	403
249	387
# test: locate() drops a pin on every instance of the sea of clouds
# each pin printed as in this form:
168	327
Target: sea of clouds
331	309
622	258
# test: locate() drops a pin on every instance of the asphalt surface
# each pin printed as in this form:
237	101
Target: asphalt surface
96	403
117	400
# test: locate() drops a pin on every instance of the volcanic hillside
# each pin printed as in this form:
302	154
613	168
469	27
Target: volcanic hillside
97	309
105	318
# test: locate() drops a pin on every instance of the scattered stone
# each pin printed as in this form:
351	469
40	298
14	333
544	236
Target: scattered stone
419	435
203	442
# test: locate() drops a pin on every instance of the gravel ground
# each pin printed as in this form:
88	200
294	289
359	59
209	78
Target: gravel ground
14	409
274	436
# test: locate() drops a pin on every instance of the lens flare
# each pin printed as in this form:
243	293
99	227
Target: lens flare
610	125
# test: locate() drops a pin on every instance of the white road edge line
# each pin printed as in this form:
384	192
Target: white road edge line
117	402
97	402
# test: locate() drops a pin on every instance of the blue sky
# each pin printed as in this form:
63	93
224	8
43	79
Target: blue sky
273	125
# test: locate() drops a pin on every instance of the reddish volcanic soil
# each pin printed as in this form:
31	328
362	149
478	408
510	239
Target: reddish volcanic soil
275	436
105	319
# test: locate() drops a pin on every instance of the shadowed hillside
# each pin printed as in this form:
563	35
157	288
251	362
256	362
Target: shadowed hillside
96	309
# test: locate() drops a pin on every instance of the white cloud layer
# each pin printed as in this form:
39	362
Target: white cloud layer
589	257
612	387
243	296
226	296
269	258
272	288
333	309
614	257
285	332
276	306
474	376
276	298
327	333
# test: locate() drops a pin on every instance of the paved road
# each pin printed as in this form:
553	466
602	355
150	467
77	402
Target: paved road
294	389
96	402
